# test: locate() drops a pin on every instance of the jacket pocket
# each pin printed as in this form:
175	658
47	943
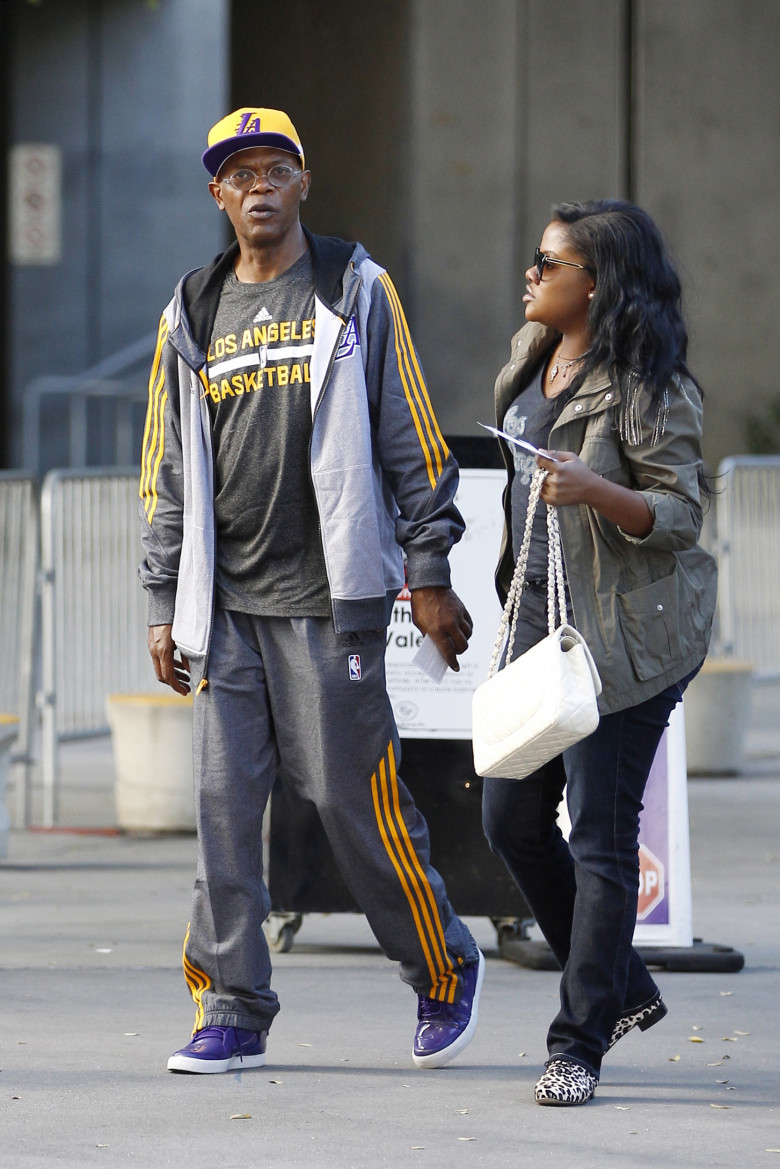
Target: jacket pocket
601	454
650	623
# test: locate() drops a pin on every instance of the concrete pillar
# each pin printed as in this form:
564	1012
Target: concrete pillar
515	105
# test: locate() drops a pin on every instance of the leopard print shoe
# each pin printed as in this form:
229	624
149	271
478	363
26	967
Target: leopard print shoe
564	1082
642	1017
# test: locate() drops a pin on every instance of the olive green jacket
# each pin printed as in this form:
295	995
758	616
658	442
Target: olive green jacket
644	606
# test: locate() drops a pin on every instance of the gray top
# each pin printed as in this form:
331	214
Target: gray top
269	550
530	417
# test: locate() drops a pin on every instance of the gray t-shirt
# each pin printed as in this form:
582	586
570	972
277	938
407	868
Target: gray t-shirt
269	549
531	416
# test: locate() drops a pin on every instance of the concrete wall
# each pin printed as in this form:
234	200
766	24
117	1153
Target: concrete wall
125	90
516	105
708	167
439	132
341	70
673	103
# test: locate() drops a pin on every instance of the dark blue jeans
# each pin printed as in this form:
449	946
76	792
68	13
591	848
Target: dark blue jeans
583	893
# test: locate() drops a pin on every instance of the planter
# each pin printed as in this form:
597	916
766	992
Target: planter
717	714
9	729
152	740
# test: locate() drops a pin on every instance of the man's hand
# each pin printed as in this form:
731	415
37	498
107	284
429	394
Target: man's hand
440	613
175	672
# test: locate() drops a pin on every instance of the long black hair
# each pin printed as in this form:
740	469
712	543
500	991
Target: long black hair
635	317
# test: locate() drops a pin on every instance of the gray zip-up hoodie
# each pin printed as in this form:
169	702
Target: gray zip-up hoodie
383	477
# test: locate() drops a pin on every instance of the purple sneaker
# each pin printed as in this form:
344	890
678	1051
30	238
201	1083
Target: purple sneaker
444	1029
220	1049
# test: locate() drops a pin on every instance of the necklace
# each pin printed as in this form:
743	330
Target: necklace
562	366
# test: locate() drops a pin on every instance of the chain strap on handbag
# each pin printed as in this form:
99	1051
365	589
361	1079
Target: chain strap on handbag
546	700
514	596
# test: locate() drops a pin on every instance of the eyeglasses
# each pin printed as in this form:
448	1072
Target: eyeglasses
244	179
541	259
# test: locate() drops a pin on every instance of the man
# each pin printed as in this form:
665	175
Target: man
291	461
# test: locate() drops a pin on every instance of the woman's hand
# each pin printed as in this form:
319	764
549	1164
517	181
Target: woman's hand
569	481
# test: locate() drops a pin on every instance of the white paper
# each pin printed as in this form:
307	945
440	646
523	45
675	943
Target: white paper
430	659
527	446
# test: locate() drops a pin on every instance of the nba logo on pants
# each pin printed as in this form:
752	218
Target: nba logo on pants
354	668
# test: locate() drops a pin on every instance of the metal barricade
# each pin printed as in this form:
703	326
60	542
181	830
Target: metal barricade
118	383
92	606
748	553
18	622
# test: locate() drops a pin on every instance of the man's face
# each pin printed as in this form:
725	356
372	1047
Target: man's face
264	214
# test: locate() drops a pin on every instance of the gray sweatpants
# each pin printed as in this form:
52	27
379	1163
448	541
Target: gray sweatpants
293	689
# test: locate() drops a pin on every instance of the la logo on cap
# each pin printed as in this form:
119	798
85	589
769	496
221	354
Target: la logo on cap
250	123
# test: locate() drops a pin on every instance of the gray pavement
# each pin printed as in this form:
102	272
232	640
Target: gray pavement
94	1002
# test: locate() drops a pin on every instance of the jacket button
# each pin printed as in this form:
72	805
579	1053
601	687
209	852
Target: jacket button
660	608
578	407
608	397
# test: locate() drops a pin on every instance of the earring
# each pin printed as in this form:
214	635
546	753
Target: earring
591	295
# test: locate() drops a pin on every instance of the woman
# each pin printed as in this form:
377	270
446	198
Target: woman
598	379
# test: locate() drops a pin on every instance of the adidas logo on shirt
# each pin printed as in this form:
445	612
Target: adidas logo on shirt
263	315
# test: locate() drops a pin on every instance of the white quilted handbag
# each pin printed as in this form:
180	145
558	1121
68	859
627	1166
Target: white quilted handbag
545	701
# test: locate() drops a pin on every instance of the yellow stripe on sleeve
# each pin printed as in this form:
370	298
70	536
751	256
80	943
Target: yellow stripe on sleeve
432	442
152	502
153	430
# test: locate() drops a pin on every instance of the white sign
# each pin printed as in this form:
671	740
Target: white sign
665	915
425	709
664	912
35	204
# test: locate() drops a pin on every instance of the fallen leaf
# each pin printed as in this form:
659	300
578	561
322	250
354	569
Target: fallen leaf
241	1116
418	1146
462	1111
674	1059
102	1146
721	1081
729	1039
467	1138
694	1039
16	1097
131	1032
719	1064
520	1054
724	994
695	1028
276	1081
772	1150
306	1045
741	1032
622	1108
731	1088
720	1106
103	950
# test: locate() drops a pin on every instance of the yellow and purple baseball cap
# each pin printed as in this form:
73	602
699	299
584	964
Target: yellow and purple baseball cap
246	128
